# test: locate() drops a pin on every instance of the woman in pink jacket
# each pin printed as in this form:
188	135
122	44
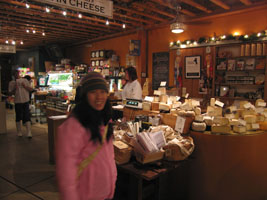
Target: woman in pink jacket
85	164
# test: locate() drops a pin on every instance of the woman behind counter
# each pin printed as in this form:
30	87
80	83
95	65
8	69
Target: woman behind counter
85	164
132	89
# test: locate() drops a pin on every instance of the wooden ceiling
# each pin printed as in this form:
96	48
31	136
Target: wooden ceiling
15	19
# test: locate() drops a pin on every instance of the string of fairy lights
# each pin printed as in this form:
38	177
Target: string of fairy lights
42	32
260	36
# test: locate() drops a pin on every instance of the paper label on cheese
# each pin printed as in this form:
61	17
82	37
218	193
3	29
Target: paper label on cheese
148	98
179	125
242	122
162	83
157	92
255	126
219	103
186	95
262	104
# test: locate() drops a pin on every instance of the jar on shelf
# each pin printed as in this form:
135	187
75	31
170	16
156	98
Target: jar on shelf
247	50
259	49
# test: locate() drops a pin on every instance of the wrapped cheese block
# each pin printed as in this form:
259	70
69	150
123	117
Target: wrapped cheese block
260	118
221	120
146	106
249	127
197	110
199	118
164	106
220	129
239	129
214	111
208	120
260	103
163	98
255	126
248	112
250	118
155	106
234	122
198	126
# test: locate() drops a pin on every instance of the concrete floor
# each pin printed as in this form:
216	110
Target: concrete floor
25	172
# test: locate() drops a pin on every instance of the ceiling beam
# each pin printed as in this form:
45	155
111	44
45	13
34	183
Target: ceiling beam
221	4
184	11
196	5
246	2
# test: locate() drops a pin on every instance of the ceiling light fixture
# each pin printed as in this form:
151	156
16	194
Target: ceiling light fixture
33	31
43	33
27	5
7	42
13	42
47	10
123	26
21	43
107	22
27	31
177	26
80	15
64	13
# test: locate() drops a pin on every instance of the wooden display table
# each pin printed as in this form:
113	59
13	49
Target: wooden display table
151	181
228	167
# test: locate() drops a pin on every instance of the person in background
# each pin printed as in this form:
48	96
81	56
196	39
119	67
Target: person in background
132	88
21	87
30	93
85	163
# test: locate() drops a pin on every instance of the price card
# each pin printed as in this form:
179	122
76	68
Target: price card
255	126
262	104
242	122
156	92
163	83
148	98
186	95
179	125
219	103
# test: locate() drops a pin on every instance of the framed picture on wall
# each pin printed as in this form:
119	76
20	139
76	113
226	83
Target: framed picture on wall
192	66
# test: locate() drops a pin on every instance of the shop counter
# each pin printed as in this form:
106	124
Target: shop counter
228	167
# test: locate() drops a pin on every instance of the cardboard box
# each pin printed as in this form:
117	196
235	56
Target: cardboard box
122	152
148	157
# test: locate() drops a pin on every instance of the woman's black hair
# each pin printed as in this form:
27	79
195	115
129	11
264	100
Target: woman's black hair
92	119
132	73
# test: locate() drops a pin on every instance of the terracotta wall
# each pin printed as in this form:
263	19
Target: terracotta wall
250	21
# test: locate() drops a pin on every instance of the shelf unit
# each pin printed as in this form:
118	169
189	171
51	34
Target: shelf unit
240	71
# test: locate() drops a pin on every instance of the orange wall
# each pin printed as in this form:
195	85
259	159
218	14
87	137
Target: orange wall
251	21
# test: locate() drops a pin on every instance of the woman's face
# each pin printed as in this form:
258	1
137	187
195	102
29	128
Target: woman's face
97	99
127	78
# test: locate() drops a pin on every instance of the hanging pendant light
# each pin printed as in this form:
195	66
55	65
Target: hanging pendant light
177	26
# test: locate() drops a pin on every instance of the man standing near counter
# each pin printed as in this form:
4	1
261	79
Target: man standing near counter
20	88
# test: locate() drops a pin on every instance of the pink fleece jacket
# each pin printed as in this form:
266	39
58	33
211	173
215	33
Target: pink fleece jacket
97	181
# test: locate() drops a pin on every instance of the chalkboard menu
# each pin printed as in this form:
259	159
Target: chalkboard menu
160	68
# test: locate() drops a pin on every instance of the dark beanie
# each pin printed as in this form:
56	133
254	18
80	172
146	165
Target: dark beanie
93	81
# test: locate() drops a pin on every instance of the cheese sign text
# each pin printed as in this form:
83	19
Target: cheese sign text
96	7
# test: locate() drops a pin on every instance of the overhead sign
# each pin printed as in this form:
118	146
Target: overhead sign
7	49
96	7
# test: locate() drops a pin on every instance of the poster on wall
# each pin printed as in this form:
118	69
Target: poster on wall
192	66
160	68
134	48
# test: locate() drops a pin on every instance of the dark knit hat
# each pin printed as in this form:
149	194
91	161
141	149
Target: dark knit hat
93	81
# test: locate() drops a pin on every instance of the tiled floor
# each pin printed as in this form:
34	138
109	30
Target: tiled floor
25	172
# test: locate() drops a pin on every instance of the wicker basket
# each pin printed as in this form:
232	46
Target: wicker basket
176	152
